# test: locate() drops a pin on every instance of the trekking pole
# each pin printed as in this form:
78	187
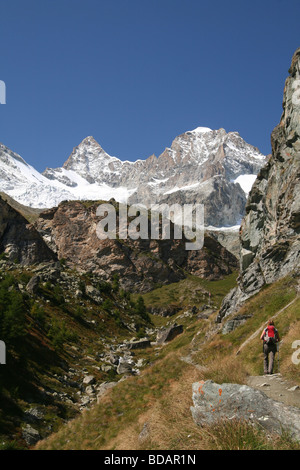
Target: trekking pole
277	346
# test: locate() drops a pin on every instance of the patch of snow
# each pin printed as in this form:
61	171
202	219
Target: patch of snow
201	130
246	182
233	228
157	181
182	188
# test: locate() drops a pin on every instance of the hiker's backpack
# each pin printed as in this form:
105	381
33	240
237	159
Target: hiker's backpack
270	335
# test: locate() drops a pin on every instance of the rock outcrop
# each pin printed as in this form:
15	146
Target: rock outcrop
19	240
70	231
270	231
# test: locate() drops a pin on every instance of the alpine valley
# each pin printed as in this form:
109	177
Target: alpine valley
134	344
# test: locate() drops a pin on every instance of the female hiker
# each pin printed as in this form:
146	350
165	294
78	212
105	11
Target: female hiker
269	337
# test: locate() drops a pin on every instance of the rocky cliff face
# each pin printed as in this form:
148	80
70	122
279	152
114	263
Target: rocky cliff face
270	231
70	231
19	240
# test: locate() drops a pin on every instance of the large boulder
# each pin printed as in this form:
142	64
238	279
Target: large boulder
167	334
214	402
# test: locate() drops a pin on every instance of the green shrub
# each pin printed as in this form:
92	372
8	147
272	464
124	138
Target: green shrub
12	312
107	304
12	445
82	287
105	287
59	334
140	309
38	314
58	295
25	278
78	312
116	283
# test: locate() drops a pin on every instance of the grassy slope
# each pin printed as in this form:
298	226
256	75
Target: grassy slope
61	331
160	398
190	291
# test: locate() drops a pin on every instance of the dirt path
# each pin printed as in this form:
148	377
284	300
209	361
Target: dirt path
277	388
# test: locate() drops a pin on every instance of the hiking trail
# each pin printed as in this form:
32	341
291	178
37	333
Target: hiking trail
278	388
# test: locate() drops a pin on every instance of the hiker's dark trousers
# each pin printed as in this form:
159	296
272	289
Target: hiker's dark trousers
269	356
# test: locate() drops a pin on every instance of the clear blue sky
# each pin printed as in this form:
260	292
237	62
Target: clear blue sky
137	73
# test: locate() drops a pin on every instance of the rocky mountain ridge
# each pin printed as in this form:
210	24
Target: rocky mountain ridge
205	166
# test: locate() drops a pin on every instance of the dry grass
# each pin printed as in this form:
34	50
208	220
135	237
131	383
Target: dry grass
169	422
227	370
242	435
